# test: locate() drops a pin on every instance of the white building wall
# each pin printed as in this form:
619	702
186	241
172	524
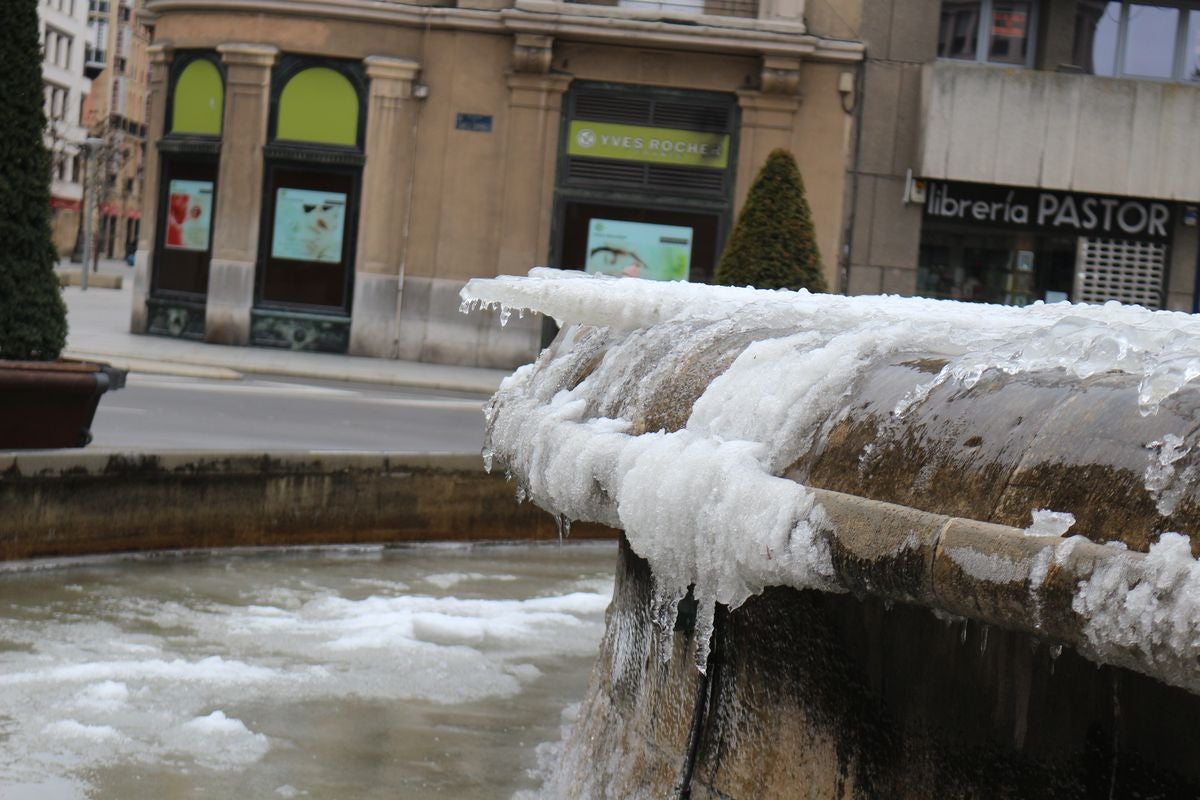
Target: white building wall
62	67
1060	131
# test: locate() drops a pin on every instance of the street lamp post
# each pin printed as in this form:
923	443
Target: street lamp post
90	146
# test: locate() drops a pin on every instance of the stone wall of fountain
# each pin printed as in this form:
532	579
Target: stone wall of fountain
89	503
959	662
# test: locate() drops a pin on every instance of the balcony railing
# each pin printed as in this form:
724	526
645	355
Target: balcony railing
724	8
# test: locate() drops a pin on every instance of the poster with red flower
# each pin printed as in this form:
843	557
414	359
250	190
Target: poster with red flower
189	215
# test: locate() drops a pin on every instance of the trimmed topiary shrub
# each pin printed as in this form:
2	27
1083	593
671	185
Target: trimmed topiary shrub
772	245
33	318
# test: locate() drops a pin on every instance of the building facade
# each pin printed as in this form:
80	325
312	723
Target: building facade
328	176
1024	150
115	113
63	25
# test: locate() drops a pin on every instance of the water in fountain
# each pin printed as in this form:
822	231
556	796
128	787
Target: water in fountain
426	672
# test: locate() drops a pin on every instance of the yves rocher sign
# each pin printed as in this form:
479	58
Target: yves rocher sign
1096	216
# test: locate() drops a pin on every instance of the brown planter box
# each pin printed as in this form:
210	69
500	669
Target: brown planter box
50	404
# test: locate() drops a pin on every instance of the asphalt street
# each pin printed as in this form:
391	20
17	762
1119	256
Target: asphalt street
165	412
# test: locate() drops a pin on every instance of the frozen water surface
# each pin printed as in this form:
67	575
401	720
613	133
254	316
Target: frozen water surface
426	672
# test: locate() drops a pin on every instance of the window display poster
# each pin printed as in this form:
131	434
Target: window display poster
309	225
639	250
189	214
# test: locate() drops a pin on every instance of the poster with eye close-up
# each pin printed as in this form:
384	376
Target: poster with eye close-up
639	250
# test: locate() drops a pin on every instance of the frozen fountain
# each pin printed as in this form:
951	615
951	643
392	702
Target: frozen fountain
873	547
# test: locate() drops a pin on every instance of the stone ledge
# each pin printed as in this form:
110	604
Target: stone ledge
98	502
96	280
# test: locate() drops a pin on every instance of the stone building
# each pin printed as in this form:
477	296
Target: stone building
115	113
1023	150
328	175
63	25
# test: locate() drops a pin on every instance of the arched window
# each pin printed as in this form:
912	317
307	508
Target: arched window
319	106
314	162
199	99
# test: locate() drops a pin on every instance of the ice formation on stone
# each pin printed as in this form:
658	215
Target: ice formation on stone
704	503
1050	523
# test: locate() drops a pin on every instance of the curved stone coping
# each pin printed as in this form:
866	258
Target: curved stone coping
998	575
71	503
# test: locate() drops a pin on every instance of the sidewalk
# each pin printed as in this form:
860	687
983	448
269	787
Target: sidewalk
99	330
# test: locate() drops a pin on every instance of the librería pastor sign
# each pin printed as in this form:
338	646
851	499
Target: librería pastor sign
1099	216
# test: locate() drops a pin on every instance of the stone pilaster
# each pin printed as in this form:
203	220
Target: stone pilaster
239	191
384	210
160	71
532	53
768	122
780	75
531	152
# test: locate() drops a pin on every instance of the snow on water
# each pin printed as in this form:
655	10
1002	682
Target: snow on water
703	504
161	666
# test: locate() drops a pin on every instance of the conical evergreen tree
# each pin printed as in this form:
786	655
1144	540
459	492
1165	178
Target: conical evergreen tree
772	245
33	318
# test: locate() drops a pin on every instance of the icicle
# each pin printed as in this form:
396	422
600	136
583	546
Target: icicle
564	526
521	495
664	610
505	313
983	640
487	459
962	637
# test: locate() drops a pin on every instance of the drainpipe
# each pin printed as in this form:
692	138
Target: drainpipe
856	111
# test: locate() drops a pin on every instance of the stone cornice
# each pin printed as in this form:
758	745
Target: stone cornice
564	21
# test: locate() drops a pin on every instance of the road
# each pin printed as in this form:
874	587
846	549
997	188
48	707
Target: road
263	413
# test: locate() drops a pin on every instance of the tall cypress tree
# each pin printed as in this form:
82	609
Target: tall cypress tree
33	318
773	245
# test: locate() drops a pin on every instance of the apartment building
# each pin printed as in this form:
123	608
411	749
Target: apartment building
63	25
328	175
1021	150
115	113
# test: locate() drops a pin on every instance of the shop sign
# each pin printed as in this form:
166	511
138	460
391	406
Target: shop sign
1097	216
653	145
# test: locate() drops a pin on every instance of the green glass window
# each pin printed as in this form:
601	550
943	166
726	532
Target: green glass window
318	105
199	99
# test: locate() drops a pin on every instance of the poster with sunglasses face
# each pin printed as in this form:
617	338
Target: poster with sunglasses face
639	250
189	215
309	225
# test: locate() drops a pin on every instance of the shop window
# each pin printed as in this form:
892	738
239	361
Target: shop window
198	99
1137	40
308	261
988	31
991	267
314	165
320	106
